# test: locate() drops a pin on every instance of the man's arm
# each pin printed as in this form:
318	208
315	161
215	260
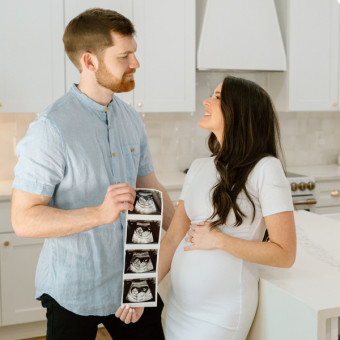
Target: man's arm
151	181
32	217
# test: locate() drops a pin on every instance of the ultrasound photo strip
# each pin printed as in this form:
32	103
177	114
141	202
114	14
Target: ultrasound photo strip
141	249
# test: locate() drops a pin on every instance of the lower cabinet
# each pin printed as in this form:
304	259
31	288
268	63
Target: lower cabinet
328	197
18	261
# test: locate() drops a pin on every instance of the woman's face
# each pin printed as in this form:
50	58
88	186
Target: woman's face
213	119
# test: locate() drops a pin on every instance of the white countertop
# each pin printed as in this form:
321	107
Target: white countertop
319	172
303	302
315	277
170	180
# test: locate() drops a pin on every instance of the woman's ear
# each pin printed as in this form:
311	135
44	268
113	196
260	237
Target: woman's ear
89	61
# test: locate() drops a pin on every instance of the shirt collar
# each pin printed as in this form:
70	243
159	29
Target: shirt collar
99	109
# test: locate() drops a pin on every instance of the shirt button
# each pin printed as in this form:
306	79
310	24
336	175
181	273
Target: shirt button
123	211
109	126
132	150
105	109
114	155
118	182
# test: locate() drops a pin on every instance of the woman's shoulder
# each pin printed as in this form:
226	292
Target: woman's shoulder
199	162
268	162
269	169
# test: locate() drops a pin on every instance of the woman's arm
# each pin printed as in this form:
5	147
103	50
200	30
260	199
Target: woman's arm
279	252
178	228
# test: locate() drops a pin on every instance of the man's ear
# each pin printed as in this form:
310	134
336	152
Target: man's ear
89	61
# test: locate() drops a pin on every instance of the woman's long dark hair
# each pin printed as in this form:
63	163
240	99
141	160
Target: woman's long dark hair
251	132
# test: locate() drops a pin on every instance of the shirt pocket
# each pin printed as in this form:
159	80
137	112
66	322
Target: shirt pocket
131	155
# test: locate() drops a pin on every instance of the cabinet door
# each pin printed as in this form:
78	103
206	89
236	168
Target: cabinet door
31	57
313	55
18	261
166	51
75	7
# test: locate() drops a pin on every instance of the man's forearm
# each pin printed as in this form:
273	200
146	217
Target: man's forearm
47	222
33	217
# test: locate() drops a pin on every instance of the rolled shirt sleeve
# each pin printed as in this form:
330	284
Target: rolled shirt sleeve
41	159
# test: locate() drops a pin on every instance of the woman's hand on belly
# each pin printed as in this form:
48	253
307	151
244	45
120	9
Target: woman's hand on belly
202	237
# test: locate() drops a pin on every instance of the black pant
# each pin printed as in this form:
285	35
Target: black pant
65	325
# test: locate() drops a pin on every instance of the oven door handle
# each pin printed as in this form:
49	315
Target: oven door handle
308	201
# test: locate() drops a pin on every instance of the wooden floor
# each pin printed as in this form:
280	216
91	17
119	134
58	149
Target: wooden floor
101	335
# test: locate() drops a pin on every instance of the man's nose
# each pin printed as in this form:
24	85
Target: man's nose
134	63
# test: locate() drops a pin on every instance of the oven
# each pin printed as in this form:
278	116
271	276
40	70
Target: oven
303	191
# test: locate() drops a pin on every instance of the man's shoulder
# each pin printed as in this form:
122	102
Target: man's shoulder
57	107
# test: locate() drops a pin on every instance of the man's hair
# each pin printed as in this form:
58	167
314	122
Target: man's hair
90	31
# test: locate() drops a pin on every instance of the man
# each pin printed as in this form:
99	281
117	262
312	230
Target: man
78	165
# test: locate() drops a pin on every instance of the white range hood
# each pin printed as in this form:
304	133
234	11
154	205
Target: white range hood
240	35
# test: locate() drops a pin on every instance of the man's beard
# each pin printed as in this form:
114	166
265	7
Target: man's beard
107	80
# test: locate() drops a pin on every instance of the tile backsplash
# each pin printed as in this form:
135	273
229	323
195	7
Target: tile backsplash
308	138
13	127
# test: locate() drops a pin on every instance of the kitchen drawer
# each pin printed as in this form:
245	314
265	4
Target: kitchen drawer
5	217
328	193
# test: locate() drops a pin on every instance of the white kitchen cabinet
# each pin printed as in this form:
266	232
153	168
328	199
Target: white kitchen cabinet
166	51
31	57
18	261
311	33
328	196
165	81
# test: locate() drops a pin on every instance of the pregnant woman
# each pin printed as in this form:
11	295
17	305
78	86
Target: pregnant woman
228	200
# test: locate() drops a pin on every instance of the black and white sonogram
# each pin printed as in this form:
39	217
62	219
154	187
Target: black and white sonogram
147	203
140	261
139	290
142	232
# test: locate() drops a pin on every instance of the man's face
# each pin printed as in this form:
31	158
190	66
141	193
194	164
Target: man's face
118	64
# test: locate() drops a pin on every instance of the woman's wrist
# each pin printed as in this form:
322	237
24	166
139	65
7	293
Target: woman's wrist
220	240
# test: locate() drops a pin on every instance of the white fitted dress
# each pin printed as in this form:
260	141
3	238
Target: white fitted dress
214	295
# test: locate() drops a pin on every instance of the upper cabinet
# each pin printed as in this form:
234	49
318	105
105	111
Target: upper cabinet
35	71
166	51
31	55
165	35
311	30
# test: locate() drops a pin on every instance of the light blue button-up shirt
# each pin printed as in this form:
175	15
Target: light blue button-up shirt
72	152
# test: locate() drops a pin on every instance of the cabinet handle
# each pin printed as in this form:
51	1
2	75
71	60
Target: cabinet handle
335	104
6	243
0	104
140	104
335	193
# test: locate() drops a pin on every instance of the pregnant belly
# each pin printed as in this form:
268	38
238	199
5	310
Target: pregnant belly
205	277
